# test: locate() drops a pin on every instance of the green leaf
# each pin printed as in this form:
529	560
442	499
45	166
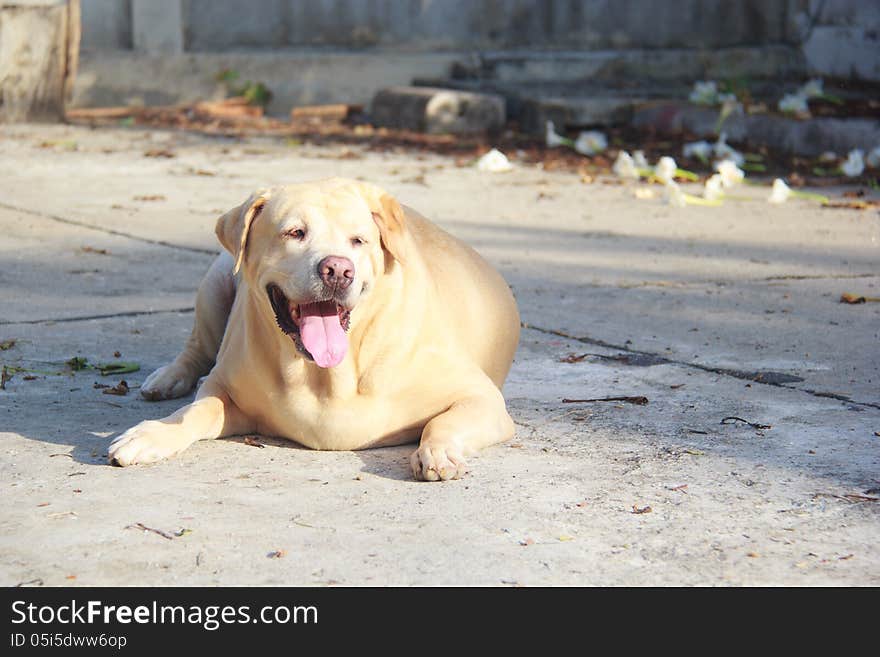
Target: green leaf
77	363
127	122
753	166
227	75
116	368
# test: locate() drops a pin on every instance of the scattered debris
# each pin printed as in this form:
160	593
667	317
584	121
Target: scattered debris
494	162
732	419
149	197
7	344
62	514
30	582
144	528
640	510
160	152
120	389
253	442
91	249
319	113
527	541
276	554
77	363
121	367
183	532
852	498
680	488
640	401
846	297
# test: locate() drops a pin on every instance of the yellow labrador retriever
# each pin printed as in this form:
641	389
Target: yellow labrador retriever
342	321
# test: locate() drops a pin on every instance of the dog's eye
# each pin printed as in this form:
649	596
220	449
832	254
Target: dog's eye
297	234
358	241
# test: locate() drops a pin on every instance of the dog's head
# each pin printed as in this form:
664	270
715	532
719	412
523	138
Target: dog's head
312	253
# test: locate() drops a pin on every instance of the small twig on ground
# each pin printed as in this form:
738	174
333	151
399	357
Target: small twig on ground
143	527
253	442
731	419
640	401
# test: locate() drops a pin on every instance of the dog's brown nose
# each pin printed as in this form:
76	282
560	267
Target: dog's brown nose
336	272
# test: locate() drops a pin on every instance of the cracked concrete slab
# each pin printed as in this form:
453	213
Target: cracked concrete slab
666	303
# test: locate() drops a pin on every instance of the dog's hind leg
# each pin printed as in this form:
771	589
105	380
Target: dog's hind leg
213	303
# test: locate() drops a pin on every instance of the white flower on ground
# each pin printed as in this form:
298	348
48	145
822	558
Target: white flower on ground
812	89
725	151
494	162
702	150
873	158
854	164
713	190
673	195
665	170
591	142
794	104
553	139
640	161
625	167
780	192
730	173
704	93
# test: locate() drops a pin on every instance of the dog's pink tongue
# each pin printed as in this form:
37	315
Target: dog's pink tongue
322	334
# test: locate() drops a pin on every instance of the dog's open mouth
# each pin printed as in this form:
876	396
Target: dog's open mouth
317	328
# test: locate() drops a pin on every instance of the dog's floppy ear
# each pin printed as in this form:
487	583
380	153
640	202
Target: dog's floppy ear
234	226
390	220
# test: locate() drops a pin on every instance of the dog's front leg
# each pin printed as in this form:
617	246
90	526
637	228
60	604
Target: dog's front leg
212	415
469	424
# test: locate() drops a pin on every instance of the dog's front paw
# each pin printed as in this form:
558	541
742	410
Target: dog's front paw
147	442
169	382
437	463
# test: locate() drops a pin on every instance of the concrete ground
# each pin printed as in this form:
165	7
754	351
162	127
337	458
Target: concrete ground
707	312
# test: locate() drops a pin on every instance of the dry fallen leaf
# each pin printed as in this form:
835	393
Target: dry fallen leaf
846	297
159	152
645	509
253	442
120	389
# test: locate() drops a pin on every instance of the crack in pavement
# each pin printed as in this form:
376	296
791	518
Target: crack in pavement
776	379
727	281
85	318
108	231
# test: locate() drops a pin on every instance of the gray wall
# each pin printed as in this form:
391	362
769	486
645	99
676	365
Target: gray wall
837	37
211	25
455	24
